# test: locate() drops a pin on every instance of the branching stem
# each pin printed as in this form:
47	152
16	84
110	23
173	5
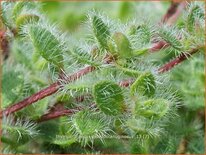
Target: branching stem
55	86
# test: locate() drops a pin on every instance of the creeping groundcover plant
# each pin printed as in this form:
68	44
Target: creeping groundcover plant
119	87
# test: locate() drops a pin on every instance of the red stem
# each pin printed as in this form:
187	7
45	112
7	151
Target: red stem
176	61
158	46
53	88
174	12
56	114
4	44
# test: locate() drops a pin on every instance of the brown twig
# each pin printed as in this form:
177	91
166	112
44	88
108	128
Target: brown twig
174	12
4	44
158	46
177	60
53	88
56	111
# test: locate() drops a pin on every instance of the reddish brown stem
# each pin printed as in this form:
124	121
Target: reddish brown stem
176	61
45	92
158	46
56	114
59	110
4	44
34	98
174	12
56	111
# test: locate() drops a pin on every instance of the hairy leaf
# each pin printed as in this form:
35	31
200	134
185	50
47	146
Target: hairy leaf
109	98
101	31
145	85
46	44
25	19
155	108
120	45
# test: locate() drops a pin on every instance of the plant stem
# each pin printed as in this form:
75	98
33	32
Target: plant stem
174	12
158	46
53	88
177	60
4	44
56	111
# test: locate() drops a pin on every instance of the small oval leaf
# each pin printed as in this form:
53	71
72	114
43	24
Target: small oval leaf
120	45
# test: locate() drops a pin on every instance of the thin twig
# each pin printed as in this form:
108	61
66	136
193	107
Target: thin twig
53	88
174	12
177	60
4	44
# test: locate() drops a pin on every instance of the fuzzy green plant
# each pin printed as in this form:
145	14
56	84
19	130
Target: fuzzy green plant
61	93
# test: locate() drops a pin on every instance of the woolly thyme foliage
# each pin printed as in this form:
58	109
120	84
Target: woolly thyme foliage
195	15
189	31
171	36
120	46
12	11
25	19
156	108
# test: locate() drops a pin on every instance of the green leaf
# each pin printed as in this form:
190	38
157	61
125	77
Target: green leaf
128	71
109	98
18	132
12	84
145	85
19	6
119	44
155	108
17	9
47	44
101	31
196	12
170	35
87	125
63	140
25	19
84	57
140	52
6	9
142	32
